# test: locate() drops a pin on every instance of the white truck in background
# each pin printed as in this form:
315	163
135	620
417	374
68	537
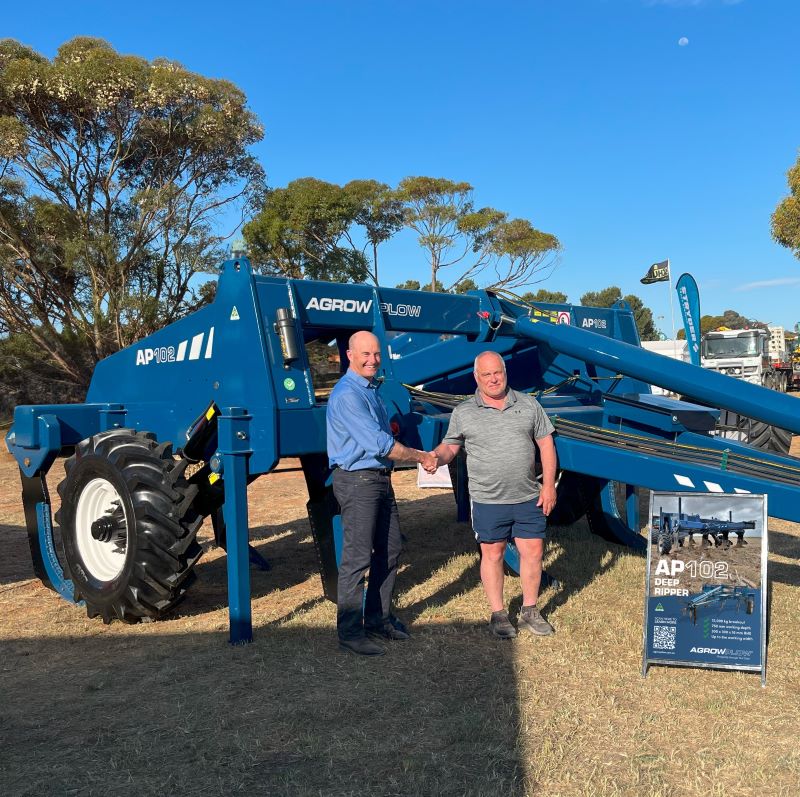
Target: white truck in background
754	355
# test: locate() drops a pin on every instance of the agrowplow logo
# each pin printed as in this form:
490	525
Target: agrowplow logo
362	306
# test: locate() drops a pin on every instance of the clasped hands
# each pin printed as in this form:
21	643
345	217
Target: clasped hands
430	461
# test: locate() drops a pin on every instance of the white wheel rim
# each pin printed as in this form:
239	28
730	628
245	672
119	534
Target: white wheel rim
103	560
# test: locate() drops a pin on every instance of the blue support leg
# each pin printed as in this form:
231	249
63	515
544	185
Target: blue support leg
234	451
632	507
39	524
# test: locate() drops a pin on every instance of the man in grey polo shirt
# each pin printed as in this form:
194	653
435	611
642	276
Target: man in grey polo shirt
497	428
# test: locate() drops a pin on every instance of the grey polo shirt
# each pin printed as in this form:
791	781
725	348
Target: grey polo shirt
499	445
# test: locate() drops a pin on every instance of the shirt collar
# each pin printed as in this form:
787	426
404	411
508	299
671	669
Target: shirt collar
361	380
511	399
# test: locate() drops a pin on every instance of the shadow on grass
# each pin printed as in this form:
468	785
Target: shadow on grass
184	713
145	711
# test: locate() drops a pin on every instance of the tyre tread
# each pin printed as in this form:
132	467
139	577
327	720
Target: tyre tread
165	523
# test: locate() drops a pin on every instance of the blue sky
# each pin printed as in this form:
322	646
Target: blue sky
588	118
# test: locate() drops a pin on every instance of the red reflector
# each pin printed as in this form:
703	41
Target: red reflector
395	427
483	314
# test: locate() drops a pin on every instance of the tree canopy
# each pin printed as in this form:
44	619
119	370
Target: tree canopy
319	230
456	234
730	319
786	218
543	295
303	231
643	316
113	171
309	229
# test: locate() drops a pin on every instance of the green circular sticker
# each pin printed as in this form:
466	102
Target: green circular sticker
288	383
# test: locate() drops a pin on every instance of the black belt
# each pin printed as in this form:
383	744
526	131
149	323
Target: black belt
382	471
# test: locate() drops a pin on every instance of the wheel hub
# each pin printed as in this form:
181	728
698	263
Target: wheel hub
101	530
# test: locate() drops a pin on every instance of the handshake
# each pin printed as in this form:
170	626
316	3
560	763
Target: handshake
429	461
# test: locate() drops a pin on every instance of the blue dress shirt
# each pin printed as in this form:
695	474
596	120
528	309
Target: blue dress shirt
359	435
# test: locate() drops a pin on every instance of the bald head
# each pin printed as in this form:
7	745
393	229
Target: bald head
364	353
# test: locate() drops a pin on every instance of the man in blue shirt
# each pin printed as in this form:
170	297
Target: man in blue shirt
362	451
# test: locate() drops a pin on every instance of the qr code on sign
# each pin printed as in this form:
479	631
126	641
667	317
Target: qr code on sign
664	637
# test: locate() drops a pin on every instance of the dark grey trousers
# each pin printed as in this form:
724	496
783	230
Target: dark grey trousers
372	541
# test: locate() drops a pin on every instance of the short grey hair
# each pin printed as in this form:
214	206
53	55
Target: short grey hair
489	351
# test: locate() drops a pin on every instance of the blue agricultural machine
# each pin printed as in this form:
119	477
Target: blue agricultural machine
673	528
719	595
175	427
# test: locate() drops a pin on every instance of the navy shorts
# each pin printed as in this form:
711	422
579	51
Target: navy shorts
501	522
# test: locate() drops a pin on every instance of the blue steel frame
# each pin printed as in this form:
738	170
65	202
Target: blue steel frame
232	352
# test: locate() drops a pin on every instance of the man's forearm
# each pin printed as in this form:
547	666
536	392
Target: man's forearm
547	451
401	453
444	453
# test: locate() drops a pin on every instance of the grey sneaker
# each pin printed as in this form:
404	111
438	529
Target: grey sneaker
531	620
501	626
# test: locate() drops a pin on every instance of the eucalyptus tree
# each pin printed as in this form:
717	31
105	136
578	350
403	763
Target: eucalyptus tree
443	215
523	254
642	315
319	230
786	217
379	211
304	231
476	244
543	295
114	171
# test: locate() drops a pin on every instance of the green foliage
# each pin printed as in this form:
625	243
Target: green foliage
28	378
643	316
111	171
526	250
379	211
413	285
315	229
302	231
786	218
465	286
730	319
306	230
543	295
453	231
604	298
434	206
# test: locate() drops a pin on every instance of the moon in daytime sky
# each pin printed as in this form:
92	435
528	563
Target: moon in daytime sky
683	41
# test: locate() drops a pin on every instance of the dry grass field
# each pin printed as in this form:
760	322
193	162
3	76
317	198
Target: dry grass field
170	708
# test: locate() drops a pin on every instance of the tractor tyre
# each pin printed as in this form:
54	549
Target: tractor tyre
750	605
128	526
755	433
693	614
570	502
769	438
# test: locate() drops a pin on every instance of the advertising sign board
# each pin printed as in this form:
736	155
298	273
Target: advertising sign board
705	592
